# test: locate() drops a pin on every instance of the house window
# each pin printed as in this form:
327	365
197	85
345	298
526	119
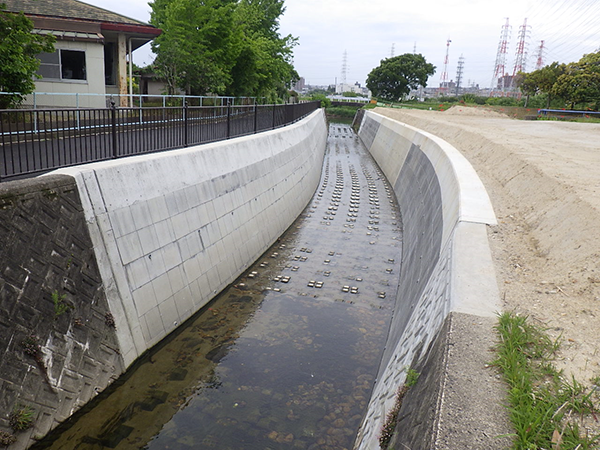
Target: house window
63	65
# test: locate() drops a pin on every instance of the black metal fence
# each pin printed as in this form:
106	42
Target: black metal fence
36	141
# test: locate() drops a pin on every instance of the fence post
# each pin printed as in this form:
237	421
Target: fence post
113	127
185	123
228	119
255	117
273	115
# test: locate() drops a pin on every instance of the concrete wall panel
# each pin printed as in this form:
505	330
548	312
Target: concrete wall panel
172	229
446	263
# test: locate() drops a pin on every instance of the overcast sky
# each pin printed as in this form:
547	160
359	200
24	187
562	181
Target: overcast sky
369	31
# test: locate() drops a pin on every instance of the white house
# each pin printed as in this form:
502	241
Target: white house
93	47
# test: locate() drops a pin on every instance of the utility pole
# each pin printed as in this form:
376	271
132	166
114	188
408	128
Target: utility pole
344	67
521	53
540	57
459	73
500	66
444	77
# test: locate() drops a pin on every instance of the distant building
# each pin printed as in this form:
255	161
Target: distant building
355	88
92	49
300	85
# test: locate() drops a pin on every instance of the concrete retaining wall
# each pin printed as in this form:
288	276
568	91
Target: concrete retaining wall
446	264
136	246
171	230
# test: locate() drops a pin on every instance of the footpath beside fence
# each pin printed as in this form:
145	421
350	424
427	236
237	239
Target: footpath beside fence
34	141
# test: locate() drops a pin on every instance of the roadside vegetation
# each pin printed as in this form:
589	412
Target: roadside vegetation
511	107
547	409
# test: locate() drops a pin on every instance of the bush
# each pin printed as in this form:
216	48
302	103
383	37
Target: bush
341	111
447	99
472	98
325	102
502	101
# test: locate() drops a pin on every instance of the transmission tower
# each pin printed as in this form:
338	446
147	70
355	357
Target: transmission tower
521	54
459	73
344	67
444	77
500	66
540	56
392	51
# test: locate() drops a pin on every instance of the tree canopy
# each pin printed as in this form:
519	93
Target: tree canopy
19	48
395	77
541	81
576	82
223	47
580	81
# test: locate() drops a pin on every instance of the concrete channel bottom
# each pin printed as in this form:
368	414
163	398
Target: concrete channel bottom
286	358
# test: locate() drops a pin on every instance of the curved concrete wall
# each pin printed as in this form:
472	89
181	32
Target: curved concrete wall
170	230
446	263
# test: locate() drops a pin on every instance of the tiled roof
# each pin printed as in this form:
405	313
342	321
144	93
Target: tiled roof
72	9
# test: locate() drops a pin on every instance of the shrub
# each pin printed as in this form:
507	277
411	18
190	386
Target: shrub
325	102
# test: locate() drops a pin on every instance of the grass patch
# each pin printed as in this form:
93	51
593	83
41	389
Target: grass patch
545	408
341	111
21	418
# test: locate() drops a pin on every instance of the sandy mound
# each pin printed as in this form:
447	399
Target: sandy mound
544	182
482	111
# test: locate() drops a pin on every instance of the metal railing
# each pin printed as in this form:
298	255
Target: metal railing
36	141
559	113
47	100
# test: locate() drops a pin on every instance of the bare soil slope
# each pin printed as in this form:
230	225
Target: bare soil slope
544	182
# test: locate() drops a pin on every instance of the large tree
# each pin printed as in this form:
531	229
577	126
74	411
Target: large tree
264	65
541	81
395	77
19	48
580	81
223	47
196	51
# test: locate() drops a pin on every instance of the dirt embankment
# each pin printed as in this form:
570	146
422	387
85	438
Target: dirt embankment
544	182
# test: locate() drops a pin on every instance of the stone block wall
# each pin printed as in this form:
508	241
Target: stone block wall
55	357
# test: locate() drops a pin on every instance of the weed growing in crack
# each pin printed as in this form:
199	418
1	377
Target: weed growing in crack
387	431
21	417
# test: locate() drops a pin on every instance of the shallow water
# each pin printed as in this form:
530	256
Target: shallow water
273	362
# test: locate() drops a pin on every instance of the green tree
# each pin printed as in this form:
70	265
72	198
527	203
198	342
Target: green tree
580	81
263	65
19	48
541	81
223	46
196	50
528	83
395	77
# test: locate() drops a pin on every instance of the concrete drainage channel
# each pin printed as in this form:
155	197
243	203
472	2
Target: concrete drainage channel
287	357
310	346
